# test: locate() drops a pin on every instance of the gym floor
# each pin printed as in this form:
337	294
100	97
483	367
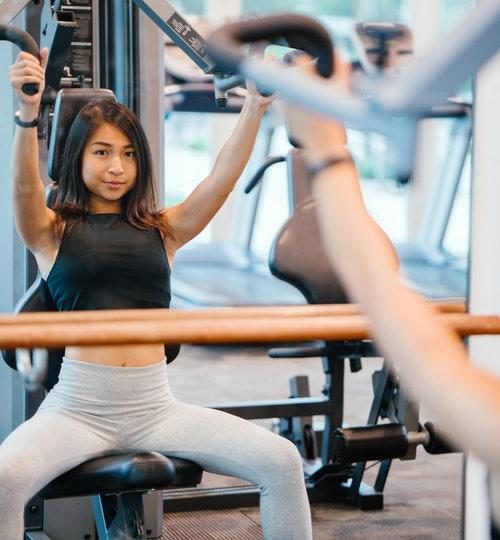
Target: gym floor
422	498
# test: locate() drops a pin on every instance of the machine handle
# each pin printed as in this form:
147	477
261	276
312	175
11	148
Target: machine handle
301	32
26	43
259	173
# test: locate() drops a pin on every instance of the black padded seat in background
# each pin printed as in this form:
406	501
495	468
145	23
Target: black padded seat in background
297	255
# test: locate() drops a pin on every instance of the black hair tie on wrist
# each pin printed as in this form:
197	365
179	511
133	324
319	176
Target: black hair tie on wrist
23	124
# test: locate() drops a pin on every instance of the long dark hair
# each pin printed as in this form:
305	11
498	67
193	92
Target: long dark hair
140	204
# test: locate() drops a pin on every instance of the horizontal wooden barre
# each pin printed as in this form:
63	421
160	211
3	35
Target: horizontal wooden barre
216	331
310	310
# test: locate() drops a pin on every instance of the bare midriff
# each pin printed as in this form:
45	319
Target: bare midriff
119	355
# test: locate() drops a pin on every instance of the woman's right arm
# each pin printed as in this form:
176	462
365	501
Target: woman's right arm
34	221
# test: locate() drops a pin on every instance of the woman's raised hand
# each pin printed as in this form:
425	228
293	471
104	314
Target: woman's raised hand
256	98
28	69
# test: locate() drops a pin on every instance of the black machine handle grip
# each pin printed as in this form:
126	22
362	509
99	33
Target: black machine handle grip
27	44
301	32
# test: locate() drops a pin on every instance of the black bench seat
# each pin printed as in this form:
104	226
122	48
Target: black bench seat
139	471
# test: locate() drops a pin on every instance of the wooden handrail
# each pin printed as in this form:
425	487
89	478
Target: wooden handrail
309	310
215	330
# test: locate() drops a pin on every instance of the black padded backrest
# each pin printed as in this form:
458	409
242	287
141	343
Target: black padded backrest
69	102
297	257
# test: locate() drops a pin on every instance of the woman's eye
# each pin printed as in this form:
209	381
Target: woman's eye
100	152
131	154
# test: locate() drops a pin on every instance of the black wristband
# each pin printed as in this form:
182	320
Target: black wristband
315	168
21	123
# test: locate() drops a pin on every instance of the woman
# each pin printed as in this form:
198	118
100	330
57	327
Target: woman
105	245
431	361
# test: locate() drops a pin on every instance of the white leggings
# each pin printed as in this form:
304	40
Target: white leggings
96	410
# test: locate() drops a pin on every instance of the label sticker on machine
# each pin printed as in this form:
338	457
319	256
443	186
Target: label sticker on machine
80	60
189	36
83	31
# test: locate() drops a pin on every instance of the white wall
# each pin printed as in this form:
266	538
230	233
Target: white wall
484	279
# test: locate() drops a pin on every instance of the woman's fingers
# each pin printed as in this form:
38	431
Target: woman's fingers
28	69
28	61
44	55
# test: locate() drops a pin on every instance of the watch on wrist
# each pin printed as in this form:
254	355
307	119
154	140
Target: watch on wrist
23	124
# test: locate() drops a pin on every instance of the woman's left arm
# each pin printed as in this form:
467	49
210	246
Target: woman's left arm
190	217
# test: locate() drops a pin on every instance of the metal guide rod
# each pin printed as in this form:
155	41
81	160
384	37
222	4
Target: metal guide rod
9	9
285	312
164	15
216	331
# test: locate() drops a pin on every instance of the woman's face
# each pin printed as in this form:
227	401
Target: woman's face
109	168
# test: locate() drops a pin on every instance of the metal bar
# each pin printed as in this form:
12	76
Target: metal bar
9	10
285	312
191	499
334	369
101	525
382	475
215	331
164	15
287	408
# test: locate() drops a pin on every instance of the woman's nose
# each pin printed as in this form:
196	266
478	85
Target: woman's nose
116	165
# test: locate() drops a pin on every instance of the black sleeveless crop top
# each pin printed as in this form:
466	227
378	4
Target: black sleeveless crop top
106	263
